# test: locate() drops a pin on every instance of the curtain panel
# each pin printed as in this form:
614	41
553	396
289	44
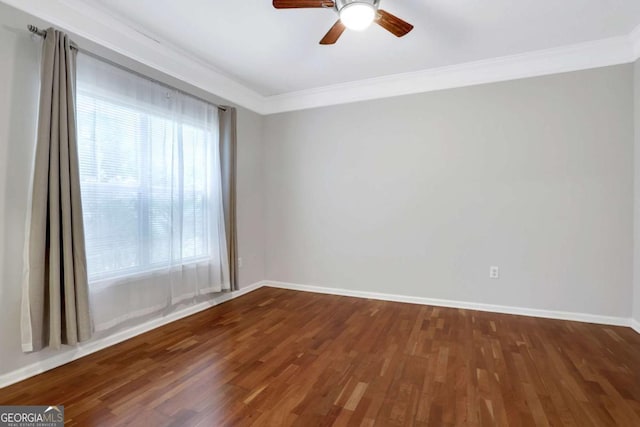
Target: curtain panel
228	165
55	300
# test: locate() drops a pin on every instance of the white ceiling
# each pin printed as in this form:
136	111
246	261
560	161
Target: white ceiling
276	51
269	61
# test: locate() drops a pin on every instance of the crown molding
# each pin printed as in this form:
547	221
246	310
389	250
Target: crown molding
96	25
93	24
594	54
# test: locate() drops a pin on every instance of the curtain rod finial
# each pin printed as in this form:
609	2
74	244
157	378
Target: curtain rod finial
36	30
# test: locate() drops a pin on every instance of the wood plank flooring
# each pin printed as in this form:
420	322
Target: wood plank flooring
277	358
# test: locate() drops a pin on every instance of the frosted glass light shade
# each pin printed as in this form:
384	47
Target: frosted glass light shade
357	16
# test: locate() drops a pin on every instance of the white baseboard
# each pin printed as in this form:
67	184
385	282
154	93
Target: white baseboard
93	346
533	312
90	347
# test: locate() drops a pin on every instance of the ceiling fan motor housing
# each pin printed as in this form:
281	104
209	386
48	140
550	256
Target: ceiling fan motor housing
356	15
339	4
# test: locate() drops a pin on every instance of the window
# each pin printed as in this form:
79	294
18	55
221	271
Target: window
151	194
148	173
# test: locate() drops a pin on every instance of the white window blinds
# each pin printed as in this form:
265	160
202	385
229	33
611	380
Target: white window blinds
150	178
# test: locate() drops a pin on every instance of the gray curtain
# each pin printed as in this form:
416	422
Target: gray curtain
228	141
55	300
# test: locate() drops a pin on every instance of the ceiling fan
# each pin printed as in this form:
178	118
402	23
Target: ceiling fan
354	14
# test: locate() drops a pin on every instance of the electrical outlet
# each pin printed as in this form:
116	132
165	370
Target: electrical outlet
494	272
239	262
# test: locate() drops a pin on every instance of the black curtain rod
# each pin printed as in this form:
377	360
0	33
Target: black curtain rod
43	34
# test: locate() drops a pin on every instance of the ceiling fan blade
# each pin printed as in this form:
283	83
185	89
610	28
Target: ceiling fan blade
299	4
392	23
334	33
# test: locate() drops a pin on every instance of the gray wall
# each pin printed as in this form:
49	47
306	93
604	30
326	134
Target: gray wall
19	74
419	198
636	252
419	195
18	100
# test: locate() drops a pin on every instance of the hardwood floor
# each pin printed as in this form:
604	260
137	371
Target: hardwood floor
277	357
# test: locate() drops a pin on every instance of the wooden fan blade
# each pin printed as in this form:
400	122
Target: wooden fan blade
334	33
299	4
392	23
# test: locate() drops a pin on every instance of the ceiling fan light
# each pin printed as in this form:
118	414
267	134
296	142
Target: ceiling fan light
357	16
